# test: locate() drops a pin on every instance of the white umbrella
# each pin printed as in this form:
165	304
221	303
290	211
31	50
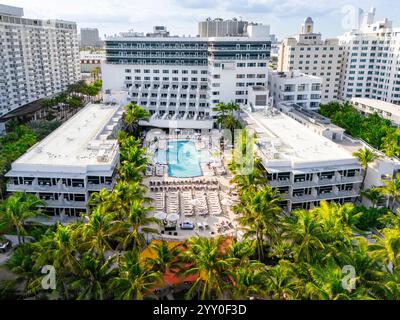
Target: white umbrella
160	215
173	217
227	202
194	202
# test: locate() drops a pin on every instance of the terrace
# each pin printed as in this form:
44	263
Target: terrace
199	203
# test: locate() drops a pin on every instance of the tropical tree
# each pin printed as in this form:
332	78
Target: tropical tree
135	279
98	231
93	278
387	249
167	258
136	223
134	114
95	73
325	282
248	282
211	266
365	157
16	210
281	282
133	163
259	216
391	188
305	233
60	250
374	195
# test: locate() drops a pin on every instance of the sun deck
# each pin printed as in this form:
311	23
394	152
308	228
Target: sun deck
84	140
282	141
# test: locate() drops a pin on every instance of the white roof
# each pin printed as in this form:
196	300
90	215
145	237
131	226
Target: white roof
295	145
79	143
380	105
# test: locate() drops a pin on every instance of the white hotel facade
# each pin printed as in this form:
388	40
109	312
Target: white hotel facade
296	88
308	53
178	80
75	160
371	61
38	58
308	159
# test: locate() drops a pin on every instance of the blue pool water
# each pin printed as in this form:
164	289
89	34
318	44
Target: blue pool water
182	158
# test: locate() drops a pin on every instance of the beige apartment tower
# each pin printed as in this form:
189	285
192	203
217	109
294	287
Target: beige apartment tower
309	54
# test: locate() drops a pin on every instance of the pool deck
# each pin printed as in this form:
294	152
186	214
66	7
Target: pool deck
224	224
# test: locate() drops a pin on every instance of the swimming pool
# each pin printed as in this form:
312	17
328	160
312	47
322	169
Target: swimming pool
182	158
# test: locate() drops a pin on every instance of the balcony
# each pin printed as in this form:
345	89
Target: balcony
280	183
63	203
98	187
356	179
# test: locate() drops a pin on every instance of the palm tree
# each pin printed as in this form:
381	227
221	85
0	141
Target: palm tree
93	279
136	224
326	283
22	264
260	211
60	249
221	109
210	265
133	163
166	258
17	209
248	282
95	73
365	157
135	280
122	197
98	231
281	282
253	181
305	232
391	188
374	195
387	249
134	114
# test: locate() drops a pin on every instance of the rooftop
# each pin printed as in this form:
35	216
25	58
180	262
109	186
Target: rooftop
378	104
285	142
82	141
293	75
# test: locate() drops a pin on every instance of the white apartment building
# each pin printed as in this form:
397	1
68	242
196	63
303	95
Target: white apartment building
311	55
90	38
38	58
221	28
371	61
385	109
179	79
308	159
296	88
75	160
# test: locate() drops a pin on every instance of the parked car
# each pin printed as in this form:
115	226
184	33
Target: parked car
187	225
5	245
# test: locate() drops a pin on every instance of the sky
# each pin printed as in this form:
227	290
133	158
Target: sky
331	17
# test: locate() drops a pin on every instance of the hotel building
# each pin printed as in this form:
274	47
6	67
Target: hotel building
296	88
386	110
38	58
309	159
77	159
222	28
371	61
179	79
308	53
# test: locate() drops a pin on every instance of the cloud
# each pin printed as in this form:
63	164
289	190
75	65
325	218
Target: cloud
197	4
181	16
